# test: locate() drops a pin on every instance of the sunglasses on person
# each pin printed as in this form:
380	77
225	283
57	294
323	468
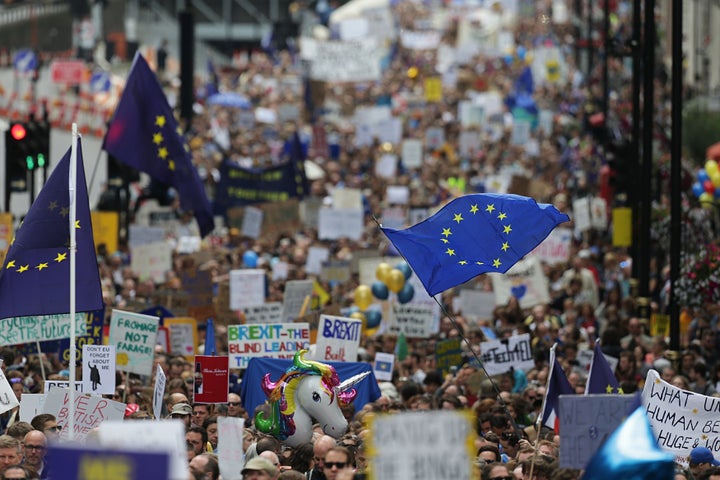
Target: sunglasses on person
337	465
233	404
508	477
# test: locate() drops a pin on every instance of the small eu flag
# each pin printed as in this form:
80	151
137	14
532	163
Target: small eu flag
35	279
472	235
601	378
557	385
144	135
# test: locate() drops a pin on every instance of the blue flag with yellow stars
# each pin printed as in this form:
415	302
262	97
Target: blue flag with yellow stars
472	235
35	279
145	135
601	378
631	453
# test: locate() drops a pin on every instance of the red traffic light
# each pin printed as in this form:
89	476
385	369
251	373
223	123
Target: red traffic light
18	131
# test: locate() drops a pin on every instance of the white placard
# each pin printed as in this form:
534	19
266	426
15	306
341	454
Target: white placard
338	339
386	166
247	287
90	412
31	404
99	369
296	292
143	235
334	224
477	304
412	153
133	335
8	400
159	392
338	61
525	281
49	385
347	198
598	214
270	312
581	214
230	458
383	366
499	355
556	247
397	194
316	256
252	222
152	261
415	321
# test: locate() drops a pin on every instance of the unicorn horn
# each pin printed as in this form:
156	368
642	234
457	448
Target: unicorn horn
352	381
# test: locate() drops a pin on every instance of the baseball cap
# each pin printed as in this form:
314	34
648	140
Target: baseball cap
702	455
259	464
181	409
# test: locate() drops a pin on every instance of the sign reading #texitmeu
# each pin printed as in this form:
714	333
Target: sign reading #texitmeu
338	339
499	355
133	335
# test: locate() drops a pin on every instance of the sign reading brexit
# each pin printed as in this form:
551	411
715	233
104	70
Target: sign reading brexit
273	340
338	339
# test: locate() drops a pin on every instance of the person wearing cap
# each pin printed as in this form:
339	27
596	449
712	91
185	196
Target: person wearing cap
182	411
701	459
259	468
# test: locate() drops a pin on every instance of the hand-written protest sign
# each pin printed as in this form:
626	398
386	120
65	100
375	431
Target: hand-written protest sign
8	400
133	335
447	354
270	312
80	461
183	336
556	247
295	293
247	287
338	339
230	458
525	281
211	379
586	421
99	369
414	321
442	445
681	419
499	355
158	392
15	330
274	340
31	404
90	411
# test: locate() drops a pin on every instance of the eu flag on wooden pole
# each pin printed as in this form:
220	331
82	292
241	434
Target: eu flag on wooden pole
472	235
145	135
35	276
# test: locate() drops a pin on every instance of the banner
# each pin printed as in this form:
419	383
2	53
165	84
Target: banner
681	419
499	355
90	411
338	339
133	335
275	340
98	369
34	328
415	321
212	375
240	186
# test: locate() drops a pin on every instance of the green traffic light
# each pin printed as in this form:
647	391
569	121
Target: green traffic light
30	162
41	160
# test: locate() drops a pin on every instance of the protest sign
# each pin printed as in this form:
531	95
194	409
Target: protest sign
99	369
252	222
681	419
105	227
499	355
315	258
442	445
447	354
49	385
275	340
159	392
296	291
183	336
414	321
383	366
336	61
8	400
144	235
270	312
152	261
247	287
133	335
556	247
412	153
165	436
586	421
336	271
212	375
82	461
230	458
525	281
199	286
31	404
477	304
90	411
336	223
37	328
338	339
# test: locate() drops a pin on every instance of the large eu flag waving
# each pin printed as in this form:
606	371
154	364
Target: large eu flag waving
35	278
472	235
144	134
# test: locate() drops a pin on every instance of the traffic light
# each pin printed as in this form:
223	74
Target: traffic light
37	145
16	147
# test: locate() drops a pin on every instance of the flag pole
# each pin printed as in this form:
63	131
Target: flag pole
72	177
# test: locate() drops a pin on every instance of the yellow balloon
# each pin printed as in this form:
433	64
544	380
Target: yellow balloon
382	271
706	200
412	72
358	316
363	297
711	166
369	332
395	280
715	178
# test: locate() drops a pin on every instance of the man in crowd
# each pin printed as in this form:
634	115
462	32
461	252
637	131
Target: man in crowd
204	467
320	448
259	468
10	451
35	448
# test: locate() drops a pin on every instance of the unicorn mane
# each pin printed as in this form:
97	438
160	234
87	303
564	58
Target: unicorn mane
281	394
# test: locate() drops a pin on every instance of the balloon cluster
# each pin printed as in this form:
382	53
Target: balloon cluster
707	184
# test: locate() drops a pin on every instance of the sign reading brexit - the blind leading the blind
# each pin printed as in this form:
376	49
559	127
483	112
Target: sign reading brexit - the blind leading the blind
274	340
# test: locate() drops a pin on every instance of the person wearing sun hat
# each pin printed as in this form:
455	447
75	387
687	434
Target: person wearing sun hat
259	468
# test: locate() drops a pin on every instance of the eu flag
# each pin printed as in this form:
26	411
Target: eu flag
36	274
472	235
144	134
631	453
557	384
601	378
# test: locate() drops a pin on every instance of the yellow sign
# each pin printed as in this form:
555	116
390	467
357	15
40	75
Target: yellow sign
660	325
433	89
105	229
622	227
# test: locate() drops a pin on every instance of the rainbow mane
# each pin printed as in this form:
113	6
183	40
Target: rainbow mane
281	394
